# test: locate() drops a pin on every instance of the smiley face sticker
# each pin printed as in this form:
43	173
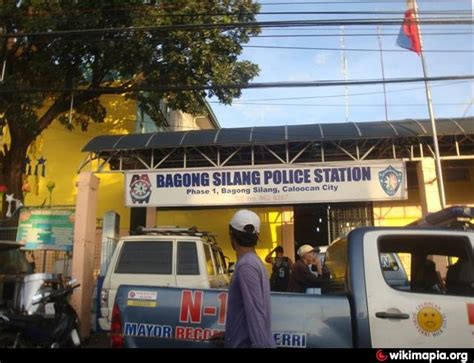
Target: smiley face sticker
429	320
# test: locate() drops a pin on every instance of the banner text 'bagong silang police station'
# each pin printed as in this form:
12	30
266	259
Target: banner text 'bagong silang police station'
268	184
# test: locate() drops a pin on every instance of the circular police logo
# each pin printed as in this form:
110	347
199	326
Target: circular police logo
140	188
390	180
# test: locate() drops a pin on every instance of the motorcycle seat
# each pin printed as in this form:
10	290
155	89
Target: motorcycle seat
23	318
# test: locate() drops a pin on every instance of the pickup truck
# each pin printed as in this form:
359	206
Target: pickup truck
369	301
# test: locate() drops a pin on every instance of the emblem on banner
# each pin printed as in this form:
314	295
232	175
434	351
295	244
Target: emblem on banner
390	180
140	188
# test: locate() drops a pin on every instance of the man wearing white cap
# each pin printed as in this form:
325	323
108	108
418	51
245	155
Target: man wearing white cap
248	322
301	276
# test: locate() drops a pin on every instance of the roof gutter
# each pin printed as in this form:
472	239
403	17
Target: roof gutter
212	115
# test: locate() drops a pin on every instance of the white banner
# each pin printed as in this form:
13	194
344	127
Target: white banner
268	184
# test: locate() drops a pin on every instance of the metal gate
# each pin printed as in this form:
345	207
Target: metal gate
9	226
344	218
320	224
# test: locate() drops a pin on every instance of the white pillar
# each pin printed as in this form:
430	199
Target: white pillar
428	186
83	248
150	217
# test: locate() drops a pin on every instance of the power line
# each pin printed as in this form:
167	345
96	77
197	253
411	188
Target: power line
357	49
401	13
183	88
171	6
162	6
358	29
397	2
352	94
349	35
209	14
341	105
263	24
105	40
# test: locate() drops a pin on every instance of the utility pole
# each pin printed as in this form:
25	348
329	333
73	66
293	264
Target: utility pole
439	171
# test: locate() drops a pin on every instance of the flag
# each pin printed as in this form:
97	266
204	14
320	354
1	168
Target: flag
409	37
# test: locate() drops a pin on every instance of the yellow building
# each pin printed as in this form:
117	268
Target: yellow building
401	183
289	223
62	150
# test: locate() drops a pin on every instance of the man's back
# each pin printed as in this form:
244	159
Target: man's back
249	310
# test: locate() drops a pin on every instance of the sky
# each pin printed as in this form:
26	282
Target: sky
308	105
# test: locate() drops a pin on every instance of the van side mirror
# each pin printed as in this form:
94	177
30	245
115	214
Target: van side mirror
231	268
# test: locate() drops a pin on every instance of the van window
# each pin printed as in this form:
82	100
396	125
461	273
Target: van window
210	265
219	267
222	261
431	269
187	259
146	258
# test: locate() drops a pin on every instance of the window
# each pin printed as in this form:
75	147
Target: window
431	264
146	258
219	266
393	271
210	265
187	259
223	261
336	263
13	261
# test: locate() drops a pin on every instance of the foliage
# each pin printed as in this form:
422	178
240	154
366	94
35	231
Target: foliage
67	64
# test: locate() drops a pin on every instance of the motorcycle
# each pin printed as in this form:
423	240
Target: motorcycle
49	322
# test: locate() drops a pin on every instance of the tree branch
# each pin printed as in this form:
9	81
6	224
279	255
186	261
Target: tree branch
61	105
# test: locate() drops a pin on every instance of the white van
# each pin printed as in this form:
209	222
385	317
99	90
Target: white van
164	256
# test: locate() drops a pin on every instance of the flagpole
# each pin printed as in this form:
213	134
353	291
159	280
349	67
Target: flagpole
383	74
439	172
344	72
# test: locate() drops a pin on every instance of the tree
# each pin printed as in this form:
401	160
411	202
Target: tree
62	50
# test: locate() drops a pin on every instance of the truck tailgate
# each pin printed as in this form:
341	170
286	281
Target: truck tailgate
175	317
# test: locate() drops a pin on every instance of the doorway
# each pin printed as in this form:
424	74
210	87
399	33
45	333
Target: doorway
319	224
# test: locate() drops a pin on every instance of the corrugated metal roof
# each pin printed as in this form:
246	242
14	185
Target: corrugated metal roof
282	134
